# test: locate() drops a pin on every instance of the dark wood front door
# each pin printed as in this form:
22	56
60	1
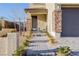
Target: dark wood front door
34	23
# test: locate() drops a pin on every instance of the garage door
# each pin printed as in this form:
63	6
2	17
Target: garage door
70	22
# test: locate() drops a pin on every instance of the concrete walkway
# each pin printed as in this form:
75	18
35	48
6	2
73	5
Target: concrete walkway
39	46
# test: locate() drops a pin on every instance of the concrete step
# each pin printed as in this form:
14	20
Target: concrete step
39	46
41	54
39	34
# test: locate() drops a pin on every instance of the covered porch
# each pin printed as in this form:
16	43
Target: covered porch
37	19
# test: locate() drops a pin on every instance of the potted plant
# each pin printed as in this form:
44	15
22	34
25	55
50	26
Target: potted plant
19	52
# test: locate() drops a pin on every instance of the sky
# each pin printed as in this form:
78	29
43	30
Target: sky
13	10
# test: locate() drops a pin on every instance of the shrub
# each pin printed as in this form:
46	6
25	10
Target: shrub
19	51
51	39
63	51
25	43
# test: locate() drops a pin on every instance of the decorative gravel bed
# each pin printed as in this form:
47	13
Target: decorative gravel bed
72	42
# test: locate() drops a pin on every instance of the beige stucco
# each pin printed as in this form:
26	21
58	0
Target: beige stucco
50	18
37	5
8	44
42	21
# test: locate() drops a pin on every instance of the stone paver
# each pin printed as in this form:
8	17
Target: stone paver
39	46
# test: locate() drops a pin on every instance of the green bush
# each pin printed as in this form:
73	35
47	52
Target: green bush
25	43
19	51
22	49
51	38
63	51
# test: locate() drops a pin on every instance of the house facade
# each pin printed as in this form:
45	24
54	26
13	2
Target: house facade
60	20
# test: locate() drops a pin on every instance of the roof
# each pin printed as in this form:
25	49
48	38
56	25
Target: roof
35	9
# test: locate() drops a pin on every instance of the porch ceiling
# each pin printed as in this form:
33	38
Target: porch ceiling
36	10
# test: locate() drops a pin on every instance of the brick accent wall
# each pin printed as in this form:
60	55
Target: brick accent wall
58	20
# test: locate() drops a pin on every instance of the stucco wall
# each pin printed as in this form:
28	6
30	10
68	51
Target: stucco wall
37	5
8	44
12	43
41	21
50	18
3	46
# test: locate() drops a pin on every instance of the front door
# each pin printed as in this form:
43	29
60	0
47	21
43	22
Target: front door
34	23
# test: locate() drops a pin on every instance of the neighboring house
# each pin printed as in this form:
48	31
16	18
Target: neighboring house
7	24
60	20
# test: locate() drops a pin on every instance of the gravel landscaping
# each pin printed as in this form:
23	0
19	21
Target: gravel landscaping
72	42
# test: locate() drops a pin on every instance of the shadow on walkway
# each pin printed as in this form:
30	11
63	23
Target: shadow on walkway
40	52
74	53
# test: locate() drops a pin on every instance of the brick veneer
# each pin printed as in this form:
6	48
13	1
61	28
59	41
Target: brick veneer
58	20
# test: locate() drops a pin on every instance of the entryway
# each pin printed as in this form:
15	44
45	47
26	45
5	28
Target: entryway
39	22
34	23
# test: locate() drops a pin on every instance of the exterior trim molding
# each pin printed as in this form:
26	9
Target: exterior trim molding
69	5
37	10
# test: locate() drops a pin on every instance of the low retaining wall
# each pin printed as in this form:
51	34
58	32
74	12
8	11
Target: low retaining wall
9	44
3	46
